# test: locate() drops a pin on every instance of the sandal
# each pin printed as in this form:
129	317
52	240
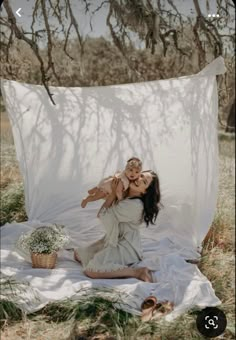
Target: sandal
147	307
162	308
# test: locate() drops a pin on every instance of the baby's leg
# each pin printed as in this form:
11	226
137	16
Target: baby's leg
91	198
119	190
92	191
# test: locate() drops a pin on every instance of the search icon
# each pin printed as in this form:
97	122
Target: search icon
211	322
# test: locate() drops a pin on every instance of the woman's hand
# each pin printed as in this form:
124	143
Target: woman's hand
109	201
112	197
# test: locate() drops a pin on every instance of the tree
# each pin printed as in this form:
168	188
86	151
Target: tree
159	24
231	119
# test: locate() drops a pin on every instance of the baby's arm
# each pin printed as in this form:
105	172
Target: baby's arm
119	191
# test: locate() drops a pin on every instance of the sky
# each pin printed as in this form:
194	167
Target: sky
99	20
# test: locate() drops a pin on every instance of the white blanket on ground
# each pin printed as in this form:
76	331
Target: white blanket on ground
177	280
90	133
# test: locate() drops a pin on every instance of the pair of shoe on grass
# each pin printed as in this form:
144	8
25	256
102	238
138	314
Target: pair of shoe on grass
153	309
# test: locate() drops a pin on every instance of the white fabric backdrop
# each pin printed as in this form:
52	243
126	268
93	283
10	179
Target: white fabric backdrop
66	148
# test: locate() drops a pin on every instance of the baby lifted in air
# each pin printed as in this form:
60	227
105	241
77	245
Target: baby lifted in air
130	174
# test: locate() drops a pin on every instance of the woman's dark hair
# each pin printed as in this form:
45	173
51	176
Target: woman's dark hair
151	200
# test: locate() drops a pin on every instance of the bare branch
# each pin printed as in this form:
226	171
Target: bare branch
36	6
118	44
75	24
57	13
101	5
202	54
49	50
87	6
31	43
66	41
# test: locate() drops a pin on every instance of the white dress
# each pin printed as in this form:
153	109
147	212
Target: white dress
121	246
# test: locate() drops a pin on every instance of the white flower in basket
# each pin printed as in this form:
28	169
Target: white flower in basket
43	244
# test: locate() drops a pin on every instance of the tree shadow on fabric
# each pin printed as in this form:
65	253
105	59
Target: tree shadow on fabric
65	149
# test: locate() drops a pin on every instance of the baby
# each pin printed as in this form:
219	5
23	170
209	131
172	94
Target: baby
131	173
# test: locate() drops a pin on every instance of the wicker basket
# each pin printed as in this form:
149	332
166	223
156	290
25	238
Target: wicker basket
43	260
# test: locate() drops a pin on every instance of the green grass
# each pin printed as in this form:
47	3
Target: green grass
9	312
226	136
12	204
99	318
9	293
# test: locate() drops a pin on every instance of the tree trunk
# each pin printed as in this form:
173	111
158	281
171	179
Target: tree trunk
231	119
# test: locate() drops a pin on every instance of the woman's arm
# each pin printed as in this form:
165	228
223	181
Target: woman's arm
109	200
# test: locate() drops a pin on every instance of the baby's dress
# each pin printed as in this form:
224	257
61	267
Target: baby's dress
105	184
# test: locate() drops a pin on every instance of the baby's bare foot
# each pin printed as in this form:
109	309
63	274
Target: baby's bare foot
84	203
145	275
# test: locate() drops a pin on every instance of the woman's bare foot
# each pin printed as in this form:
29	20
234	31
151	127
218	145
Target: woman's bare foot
76	257
145	274
84	203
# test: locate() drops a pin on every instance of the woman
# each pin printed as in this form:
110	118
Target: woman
111	256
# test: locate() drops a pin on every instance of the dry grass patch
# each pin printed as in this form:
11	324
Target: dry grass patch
5	127
220	236
9	175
